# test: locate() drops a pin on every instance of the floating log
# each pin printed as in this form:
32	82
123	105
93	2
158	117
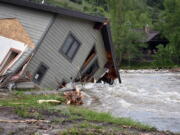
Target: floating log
49	101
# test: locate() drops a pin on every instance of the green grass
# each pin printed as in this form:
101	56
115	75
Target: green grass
86	124
26	106
18	99
77	131
106	117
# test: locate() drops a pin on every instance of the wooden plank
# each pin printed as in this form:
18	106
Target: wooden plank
12	28
34	22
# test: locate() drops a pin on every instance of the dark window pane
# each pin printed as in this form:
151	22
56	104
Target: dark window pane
67	44
73	49
93	68
70	47
42	69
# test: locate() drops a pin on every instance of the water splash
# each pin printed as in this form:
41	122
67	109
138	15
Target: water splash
145	95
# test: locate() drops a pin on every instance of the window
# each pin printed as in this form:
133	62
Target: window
89	58
70	47
10	57
93	68
40	73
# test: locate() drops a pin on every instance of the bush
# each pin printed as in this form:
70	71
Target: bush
77	1
164	57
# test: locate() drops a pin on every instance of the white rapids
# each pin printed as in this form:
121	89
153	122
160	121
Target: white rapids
147	96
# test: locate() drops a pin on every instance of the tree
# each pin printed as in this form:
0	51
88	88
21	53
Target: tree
126	16
170	26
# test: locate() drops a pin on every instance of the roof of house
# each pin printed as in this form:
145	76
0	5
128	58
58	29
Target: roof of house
151	35
106	32
148	36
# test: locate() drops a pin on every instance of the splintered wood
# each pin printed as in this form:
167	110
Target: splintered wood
12	28
49	101
74	97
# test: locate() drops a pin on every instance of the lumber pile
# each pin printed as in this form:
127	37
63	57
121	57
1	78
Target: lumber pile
74	97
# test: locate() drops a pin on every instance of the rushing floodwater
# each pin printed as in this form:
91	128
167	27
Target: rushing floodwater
149	97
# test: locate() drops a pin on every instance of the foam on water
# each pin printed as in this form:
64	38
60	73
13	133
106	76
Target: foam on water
147	96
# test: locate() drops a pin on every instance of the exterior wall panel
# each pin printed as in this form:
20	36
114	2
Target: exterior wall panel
59	67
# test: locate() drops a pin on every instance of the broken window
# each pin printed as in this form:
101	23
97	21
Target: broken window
10	57
93	68
70	47
89	58
90	71
42	69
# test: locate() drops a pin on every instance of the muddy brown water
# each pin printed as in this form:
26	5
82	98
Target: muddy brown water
147	96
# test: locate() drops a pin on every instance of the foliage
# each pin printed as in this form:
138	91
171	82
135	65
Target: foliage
126	17
129	15
169	24
164	57
99	3
99	11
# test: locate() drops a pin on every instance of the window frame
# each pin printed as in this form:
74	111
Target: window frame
95	61
75	39
3	63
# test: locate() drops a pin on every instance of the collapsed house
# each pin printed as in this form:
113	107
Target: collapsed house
51	46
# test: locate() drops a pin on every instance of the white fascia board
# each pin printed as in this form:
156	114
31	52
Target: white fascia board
6	44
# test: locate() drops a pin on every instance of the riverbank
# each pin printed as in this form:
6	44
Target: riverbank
173	70
141	70
21	114
148	65
148	96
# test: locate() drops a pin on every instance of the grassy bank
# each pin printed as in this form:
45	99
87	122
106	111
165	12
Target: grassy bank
75	120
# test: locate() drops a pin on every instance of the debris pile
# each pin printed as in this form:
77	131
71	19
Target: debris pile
74	97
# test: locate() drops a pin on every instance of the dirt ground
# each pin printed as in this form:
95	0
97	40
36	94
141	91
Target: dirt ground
53	127
57	123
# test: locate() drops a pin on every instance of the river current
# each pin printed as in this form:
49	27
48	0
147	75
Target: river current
151	97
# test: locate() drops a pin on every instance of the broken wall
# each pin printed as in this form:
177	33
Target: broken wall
12	29
34	22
